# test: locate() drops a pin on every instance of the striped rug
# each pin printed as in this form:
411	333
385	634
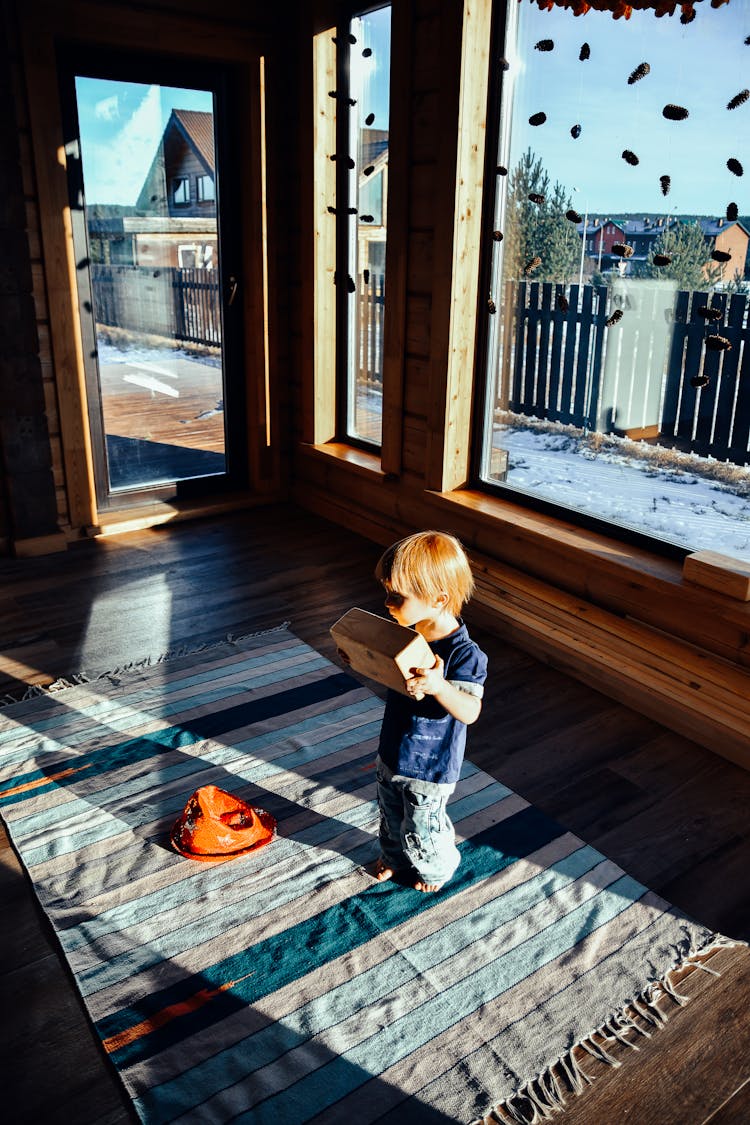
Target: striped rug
287	985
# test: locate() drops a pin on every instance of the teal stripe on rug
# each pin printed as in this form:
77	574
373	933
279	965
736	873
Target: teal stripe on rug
30	824
116	798
277	1037
341	1075
194	730
146	948
66	720
325	937
132	917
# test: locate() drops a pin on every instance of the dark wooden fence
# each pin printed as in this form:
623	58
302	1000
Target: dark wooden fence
183	304
559	360
370	328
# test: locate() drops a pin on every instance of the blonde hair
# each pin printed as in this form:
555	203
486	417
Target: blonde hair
425	565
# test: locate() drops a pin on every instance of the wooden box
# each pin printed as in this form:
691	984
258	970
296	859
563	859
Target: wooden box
381	649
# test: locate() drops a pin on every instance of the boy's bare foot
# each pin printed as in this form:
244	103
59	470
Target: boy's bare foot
382	870
420	886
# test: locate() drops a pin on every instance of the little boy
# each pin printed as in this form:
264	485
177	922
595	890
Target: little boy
427	579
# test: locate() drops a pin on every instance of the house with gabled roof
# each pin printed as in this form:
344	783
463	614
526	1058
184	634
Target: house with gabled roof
181	181
175	214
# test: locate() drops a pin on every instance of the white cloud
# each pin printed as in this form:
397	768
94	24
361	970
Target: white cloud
114	170
107	109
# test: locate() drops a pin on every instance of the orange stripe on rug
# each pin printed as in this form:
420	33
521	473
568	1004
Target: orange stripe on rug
43	780
166	1015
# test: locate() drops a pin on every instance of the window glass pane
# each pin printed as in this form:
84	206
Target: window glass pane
159	358
618	297
369	70
205	189
181	191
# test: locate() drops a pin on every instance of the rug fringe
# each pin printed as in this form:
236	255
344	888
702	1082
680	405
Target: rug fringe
545	1095
33	691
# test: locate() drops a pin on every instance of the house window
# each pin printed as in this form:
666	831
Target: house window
612	391
187	257
181	191
364	48
204	188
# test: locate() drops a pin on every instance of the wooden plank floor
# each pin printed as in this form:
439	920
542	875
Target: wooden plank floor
672	814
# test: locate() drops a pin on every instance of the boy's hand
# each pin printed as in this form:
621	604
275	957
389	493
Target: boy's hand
426	681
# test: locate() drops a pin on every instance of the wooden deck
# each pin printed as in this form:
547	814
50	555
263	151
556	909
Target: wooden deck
672	814
167	397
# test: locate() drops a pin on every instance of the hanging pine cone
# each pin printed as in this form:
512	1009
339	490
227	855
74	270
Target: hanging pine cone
640	72
585	52
732	212
614	318
661	259
666	183
536	197
720	255
734	166
674	112
532	265
708	313
544	45
630	157
537	118
562	302
699	381
738	99
575	132
622	249
573	216
718	344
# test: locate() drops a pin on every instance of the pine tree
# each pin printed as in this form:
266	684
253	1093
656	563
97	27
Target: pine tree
539	229
691	265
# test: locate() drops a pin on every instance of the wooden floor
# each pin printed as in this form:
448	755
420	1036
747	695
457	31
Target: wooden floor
672	814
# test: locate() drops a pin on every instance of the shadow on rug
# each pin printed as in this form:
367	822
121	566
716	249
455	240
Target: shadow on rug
287	985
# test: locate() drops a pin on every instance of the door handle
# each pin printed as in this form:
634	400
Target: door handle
233	287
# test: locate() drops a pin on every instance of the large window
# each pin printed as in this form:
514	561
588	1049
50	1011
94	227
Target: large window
364	51
617	347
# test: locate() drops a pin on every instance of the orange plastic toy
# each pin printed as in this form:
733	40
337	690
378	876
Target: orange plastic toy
215	826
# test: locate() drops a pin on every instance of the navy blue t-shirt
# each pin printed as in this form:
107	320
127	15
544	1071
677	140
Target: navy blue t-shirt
421	739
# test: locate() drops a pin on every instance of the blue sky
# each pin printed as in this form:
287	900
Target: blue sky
699	66
372	74
121	125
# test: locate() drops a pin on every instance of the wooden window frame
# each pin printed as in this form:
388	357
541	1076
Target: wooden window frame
476	484
456	287
44	25
322	392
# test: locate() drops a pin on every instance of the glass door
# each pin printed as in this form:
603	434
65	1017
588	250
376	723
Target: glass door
156	293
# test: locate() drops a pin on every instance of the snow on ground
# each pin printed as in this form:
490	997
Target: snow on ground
676	505
141	354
